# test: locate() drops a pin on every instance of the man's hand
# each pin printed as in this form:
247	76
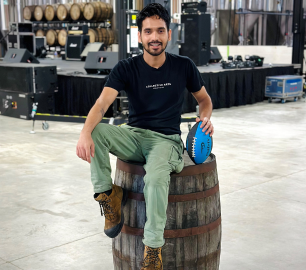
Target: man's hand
85	147
206	125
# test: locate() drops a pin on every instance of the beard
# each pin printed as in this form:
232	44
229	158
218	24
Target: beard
155	53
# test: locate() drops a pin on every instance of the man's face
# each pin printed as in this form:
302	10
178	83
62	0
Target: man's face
154	35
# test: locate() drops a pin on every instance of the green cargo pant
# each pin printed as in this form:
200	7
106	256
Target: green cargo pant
161	155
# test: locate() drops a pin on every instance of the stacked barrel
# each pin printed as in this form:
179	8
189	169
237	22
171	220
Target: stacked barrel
91	12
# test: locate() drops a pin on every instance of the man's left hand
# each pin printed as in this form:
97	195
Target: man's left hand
206	125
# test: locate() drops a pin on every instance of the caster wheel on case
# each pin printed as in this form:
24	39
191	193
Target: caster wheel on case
270	100
283	101
45	126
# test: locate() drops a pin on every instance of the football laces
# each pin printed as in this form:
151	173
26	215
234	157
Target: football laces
193	147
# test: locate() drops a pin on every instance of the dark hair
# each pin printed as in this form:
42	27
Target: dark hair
153	9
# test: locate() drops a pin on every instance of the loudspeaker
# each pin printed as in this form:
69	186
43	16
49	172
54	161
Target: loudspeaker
75	44
19	56
215	55
93	47
28	78
194	7
100	61
197	38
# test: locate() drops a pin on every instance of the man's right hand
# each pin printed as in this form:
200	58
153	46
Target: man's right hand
85	147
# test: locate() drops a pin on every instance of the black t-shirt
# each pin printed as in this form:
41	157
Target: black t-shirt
156	95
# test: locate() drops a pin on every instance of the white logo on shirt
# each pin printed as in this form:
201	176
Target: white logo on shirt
156	86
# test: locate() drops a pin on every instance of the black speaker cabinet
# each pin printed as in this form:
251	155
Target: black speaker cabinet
197	38
28	78
75	44
100	61
19	56
19	105
215	55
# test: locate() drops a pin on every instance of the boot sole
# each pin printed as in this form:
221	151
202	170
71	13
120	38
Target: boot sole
113	232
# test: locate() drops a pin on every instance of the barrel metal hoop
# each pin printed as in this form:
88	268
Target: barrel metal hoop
200	260
176	233
187	171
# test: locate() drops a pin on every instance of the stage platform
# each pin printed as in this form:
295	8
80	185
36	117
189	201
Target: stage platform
76	68
78	91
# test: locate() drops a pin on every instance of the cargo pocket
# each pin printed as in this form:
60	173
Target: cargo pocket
175	160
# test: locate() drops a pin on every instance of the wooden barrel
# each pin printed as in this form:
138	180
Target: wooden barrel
104	12
193	227
40	33
50	12
51	37
92	11
28	13
103	35
63	12
76	11
39	12
93	35
62	37
111	36
100	34
110	11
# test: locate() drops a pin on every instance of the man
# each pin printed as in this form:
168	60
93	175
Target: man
154	83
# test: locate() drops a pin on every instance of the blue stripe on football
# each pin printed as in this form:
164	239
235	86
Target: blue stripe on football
198	144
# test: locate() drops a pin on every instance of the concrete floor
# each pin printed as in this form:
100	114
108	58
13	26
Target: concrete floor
48	219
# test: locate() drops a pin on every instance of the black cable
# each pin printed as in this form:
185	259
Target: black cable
7	35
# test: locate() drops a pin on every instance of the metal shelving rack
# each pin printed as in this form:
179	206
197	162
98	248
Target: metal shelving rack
58	25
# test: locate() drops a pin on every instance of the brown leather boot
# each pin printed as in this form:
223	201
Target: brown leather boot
112	207
152	259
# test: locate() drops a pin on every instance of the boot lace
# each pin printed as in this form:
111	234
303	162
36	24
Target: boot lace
152	258
106	209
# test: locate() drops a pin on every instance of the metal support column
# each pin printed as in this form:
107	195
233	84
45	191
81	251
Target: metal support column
298	34
121	6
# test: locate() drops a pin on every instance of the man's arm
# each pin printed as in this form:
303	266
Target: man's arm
85	147
205	110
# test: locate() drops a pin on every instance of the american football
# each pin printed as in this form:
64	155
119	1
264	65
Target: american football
198	144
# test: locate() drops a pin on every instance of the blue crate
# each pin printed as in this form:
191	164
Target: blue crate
283	87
